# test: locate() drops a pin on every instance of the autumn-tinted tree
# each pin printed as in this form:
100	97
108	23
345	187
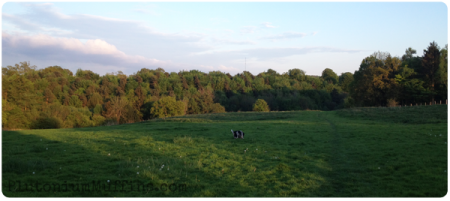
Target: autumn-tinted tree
95	99
374	82
49	96
115	108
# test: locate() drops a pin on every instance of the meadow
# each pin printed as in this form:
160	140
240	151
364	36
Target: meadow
358	152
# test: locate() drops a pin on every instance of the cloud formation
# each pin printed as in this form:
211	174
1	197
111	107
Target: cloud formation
233	42
72	50
286	35
267	25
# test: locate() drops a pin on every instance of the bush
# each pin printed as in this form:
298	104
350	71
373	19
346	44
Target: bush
261	106
167	107
46	123
217	108
391	102
98	120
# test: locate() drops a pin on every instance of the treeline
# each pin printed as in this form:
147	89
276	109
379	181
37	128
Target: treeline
56	98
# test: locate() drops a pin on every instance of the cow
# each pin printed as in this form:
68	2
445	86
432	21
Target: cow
238	134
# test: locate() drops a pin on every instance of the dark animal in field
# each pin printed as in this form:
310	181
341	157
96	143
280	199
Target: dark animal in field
238	134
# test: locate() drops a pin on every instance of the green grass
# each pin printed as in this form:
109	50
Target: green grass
365	152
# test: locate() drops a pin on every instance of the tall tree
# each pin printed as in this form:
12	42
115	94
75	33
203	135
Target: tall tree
443	67
374	83
430	64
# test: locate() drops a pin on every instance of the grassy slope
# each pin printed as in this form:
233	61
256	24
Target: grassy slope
359	152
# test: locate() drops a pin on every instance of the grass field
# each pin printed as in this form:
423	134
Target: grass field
362	152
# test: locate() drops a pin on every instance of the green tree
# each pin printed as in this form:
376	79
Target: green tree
75	101
297	74
98	109
442	74
408	54
4	113
329	76
261	106
430	64
344	81
166	107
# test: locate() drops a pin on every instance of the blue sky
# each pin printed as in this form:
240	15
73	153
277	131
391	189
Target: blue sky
211	36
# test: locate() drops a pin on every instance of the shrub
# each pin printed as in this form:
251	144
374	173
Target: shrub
391	102
98	120
217	108
261	106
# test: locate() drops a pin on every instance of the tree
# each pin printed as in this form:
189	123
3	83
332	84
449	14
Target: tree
115	108
4	113
261	106
95	99
442	73
75	101
166	107
49	96
430	64
408	54
344	81
297	74
329	76
197	83
374	82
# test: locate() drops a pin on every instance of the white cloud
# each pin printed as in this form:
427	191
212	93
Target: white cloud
286	35
267	25
267	53
133	37
233	42
43	47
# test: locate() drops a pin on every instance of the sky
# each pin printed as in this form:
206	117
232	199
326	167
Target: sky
230	37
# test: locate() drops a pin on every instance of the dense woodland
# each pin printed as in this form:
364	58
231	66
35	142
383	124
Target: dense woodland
55	97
